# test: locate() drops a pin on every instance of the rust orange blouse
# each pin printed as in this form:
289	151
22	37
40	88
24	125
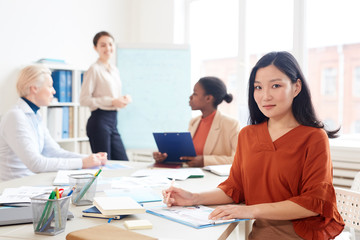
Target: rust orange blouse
202	132
295	167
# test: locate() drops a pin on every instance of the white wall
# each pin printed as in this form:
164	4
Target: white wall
34	29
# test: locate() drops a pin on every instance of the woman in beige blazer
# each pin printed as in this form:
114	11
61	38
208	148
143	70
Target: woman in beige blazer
214	134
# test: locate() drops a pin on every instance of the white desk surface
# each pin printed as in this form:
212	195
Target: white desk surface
162	228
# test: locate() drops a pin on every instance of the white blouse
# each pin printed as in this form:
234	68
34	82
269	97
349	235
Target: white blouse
100	86
26	146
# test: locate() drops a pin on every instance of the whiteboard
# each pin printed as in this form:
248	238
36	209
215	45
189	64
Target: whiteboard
158	80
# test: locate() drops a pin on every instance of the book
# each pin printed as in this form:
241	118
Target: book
193	216
166	165
95	213
221	170
138	224
118	205
106	232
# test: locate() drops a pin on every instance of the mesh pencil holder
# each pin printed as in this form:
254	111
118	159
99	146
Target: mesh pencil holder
49	215
85	188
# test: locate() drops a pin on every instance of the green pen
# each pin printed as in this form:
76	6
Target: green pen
46	211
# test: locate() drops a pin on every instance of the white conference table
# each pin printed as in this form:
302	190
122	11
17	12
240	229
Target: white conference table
162	228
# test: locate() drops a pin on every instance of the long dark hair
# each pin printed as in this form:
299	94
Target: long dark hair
215	87
302	107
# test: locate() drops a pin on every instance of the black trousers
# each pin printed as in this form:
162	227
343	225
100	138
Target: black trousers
104	136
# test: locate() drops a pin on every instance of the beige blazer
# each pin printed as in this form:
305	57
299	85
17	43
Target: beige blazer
220	144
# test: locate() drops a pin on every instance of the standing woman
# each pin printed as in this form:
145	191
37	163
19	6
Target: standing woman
214	134
101	91
282	170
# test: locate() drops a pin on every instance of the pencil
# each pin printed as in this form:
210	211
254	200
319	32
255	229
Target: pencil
168	195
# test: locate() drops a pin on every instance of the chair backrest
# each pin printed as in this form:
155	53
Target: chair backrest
348	203
355	186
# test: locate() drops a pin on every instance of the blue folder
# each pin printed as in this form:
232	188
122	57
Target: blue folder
176	145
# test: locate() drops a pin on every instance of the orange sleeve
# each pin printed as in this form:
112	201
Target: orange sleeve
233	186
317	194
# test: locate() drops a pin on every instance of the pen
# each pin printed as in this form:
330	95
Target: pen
168	195
46	212
72	190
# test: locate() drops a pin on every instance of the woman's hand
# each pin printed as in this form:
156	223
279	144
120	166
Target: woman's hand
122	101
231	211
93	160
174	196
159	157
197	161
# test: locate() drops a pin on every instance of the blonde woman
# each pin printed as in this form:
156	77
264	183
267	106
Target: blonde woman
26	146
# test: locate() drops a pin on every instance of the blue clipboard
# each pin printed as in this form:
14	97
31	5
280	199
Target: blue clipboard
176	145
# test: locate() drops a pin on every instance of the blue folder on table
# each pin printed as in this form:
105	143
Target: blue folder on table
176	145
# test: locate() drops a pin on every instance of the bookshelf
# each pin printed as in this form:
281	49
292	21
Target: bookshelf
66	119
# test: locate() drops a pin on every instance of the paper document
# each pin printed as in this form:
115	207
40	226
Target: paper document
177	174
22	194
221	170
62	176
141	195
193	216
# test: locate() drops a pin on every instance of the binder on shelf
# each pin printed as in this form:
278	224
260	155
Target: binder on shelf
59	82
84	114
68	86
65	122
54	124
71	122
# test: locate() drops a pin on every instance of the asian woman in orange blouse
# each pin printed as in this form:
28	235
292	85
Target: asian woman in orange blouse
282	171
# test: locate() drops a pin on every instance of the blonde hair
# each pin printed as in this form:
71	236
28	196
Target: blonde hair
33	75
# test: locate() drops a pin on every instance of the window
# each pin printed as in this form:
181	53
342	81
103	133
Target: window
334	58
356	82
328	82
222	32
213	36
356	126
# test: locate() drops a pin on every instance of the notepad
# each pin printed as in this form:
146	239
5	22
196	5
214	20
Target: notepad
117	205
95	213
221	170
138	224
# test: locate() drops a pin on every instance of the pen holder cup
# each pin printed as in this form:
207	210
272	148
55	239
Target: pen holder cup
49	215
85	188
